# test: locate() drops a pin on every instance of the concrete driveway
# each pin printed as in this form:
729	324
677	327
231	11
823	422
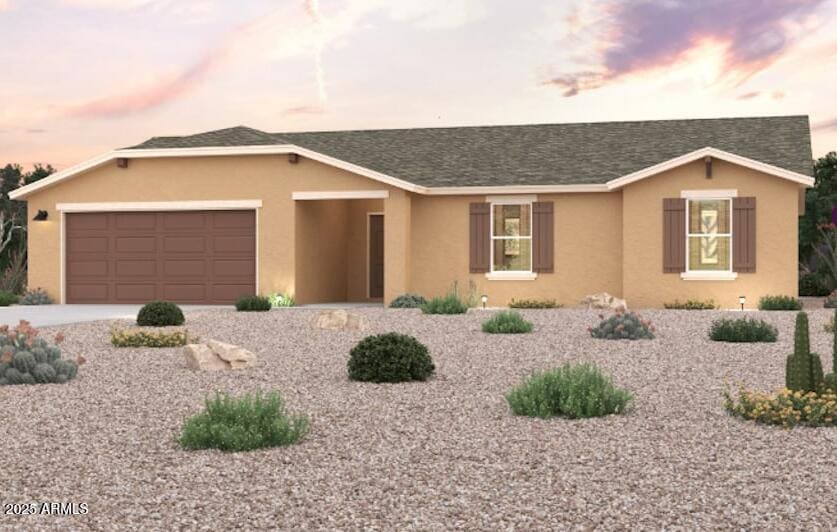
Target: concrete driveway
46	315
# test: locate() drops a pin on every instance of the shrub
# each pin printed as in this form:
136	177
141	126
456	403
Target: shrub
742	330
14	276
26	358
507	322
160	314
408	301
390	357
831	300
7	298
779	303
243	424
691	304
281	300
803	370
449	304
786	408
572	391
252	304
813	284
623	326
138	338
37	296
534	303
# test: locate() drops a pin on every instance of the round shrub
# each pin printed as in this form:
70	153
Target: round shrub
408	301
253	304
623	326
507	322
572	391
742	330
7	298
160	314
779	303
390	357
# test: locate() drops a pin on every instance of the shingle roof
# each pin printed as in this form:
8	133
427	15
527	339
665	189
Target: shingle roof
542	154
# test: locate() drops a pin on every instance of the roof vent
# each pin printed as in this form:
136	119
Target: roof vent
122	162
293	158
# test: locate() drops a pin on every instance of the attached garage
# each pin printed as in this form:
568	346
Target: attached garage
199	257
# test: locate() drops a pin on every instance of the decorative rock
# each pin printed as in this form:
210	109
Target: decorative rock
214	356
338	320
603	300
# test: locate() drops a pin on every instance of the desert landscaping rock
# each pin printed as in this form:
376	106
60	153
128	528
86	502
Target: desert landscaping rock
437	455
215	355
339	320
603	301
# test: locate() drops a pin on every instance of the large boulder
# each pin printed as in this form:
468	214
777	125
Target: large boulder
338	320
214	356
603	300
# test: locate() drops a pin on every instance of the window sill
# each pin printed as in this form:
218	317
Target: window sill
709	276
511	276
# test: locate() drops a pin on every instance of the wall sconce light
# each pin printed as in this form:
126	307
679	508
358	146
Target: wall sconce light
741	301
41	216
484	300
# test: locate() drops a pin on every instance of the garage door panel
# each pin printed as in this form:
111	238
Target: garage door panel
136	268
188	257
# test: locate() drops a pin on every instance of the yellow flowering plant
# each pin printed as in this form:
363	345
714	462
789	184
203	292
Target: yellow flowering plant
785	407
141	338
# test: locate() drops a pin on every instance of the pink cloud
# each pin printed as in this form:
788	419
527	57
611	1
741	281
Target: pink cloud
303	110
827	125
652	34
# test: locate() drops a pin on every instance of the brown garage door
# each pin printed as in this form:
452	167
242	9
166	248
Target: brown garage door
135	257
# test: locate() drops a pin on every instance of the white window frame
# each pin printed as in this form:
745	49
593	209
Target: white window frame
709	275
517	275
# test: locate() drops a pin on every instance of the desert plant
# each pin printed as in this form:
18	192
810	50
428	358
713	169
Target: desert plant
623	326
813	284
787	408
14	276
830	381
252	304
281	300
573	391
408	301
742	330
534	303
243	424
691	304
38	296
7	298
803	370
140	338
26	358
390	357
507	322
779	303
160	314
449	304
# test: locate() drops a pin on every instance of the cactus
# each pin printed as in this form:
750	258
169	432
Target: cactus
24	361
623	326
803	371
27	359
44	373
40	355
37	296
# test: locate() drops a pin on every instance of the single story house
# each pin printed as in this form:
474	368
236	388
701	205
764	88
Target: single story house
649	211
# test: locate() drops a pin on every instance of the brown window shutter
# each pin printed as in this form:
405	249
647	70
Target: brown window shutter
543	237
480	237
674	235
744	235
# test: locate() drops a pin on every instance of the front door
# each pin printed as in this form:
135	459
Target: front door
376	255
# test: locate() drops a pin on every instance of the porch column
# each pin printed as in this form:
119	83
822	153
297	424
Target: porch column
396	244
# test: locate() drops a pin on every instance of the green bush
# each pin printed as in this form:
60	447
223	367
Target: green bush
243	424
38	296
26	358
691	304
449	304
572	391
779	303
742	330
136	338
390	357
252	304
813	284
507	322
408	301
160	314
623	326
7	298
278	300
534	303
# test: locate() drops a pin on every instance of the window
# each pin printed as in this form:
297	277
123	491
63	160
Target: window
709	235
511	237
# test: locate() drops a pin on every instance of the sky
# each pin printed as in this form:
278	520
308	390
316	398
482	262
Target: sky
82	77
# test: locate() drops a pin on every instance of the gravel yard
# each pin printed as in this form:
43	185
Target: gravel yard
444	454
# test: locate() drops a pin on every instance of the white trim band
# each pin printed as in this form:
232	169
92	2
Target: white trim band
709	276
212	205
724	193
511	276
341	194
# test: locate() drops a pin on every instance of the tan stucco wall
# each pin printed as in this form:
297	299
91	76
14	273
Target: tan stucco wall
588	248
321	252
357	250
645	284
269	178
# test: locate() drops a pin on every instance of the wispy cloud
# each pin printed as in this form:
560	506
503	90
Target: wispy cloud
645	35
826	125
303	110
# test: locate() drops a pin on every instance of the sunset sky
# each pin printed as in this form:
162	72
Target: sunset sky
80	77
